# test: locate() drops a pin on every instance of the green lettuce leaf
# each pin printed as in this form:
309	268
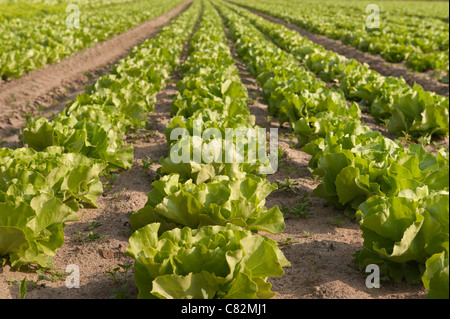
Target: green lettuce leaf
207	263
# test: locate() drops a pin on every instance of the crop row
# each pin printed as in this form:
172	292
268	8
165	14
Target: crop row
405	109
38	35
423	47
43	186
194	237
400	196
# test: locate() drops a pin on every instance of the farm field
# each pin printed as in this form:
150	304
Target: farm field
116	179
412	34
38	34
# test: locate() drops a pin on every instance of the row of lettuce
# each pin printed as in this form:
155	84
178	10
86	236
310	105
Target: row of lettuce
400	196
37	34
390	100
422	44
196	236
43	186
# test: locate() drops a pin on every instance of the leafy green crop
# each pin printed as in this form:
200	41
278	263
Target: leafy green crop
94	124
239	201
391	100
70	177
201	121
198	194
212	262
34	35
402	233
356	167
435	277
216	255
399	195
39	192
422	43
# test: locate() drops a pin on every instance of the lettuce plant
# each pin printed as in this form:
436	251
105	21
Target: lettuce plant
404	235
212	262
240	201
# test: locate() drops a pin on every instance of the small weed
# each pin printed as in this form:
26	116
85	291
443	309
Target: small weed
28	116
307	234
133	136
80	237
117	194
146	163
23	288
290	137
150	133
424	140
300	210
287	185
338	221
50	274
290	169
142	133
255	100
114	177
407	138
282	156
94	224
315	267
119	275
88	75
44	274
111	179
287	241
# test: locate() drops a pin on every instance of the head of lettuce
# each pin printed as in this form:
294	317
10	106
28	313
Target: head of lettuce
212	262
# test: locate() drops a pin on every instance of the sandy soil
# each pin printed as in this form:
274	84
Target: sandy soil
319	247
375	62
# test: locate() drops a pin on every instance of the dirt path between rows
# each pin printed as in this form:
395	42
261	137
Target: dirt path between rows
375	62
45	88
